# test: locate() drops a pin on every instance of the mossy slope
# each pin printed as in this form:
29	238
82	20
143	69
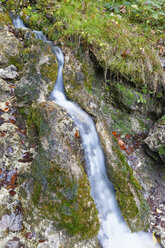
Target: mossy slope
115	42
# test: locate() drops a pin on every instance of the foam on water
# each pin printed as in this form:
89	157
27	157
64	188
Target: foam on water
114	232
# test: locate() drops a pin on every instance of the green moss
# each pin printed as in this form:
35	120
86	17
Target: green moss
126	94
36	119
16	61
36	192
162	151
63	199
5	18
162	120
123	180
121	122
50	71
142	125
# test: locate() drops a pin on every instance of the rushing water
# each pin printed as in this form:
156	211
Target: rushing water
114	232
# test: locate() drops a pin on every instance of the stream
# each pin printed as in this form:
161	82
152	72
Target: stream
114	232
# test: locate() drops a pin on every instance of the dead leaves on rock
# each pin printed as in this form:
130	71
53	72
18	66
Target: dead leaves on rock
26	157
8	178
129	143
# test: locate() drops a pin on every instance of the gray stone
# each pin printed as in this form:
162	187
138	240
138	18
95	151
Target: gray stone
9	72
156	138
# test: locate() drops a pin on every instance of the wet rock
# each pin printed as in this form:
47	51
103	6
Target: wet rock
9	72
156	138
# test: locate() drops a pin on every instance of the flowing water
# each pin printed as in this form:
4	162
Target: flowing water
113	233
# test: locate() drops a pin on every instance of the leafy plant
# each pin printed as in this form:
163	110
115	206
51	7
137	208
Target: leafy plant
141	99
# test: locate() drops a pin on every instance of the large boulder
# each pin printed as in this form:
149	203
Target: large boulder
156	138
61	189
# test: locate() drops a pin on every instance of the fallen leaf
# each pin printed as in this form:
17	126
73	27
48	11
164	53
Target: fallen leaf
127	136
21	131
122	147
41	240
27	157
154	238
12	192
30	235
158	211
121	143
12	120
77	134
3	133
6	109
12	86
122	9
125	53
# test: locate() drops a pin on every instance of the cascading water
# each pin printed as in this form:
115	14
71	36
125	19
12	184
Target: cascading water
114	232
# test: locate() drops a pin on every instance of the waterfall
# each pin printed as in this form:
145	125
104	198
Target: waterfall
113	233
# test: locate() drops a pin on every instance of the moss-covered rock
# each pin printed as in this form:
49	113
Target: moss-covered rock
9	45
61	189
128	190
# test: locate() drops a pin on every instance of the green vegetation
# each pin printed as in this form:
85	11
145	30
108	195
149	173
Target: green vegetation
131	203
149	14
107	31
5	18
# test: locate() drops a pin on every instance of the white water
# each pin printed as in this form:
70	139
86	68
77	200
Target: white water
114	232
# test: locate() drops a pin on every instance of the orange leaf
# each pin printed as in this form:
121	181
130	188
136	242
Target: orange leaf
6	110
77	134
21	131
131	149
127	136
12	86
114	133
122	147
12	120
121	143
13	178
3	133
